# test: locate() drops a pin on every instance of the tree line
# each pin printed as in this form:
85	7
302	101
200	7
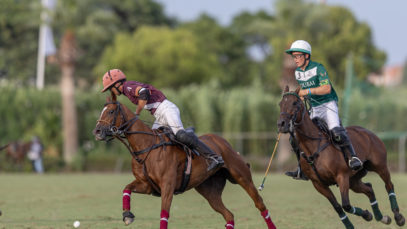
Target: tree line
138	37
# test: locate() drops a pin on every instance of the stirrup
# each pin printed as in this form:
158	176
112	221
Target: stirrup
216	163
355	167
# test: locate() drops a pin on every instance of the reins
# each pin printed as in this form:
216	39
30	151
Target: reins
294	126
123	129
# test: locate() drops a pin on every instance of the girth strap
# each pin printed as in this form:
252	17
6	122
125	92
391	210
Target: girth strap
311	159
185	178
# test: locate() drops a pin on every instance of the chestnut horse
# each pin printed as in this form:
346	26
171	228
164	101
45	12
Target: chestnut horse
158	165
325	165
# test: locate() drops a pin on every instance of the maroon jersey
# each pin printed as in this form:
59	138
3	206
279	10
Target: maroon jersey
156	96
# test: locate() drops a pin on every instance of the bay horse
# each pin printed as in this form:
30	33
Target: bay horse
16	151
325	164
158	165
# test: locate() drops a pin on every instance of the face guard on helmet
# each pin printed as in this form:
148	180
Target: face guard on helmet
111	77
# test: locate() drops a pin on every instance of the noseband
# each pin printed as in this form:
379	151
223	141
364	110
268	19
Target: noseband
123	128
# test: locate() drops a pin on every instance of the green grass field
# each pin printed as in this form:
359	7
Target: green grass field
57	200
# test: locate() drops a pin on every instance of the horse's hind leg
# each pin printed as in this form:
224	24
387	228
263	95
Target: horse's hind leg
212	190
366	188
385	175
241	174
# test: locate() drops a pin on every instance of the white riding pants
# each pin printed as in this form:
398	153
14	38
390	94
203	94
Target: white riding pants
167	114
327	112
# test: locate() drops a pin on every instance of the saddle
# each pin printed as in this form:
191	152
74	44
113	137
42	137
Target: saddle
168	132
323	127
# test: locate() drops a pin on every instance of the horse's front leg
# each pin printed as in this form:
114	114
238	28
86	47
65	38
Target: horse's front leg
326	191
343	183
167	193
136	186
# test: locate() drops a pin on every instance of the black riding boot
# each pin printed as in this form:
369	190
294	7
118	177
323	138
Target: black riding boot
342	138
190	139
297	174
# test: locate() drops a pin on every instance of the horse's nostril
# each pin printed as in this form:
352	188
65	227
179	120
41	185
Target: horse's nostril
96	131
280	123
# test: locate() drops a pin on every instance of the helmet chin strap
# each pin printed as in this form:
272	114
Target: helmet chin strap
117	88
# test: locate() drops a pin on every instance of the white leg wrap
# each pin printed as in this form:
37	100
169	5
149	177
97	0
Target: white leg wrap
392	194
165	219
343	218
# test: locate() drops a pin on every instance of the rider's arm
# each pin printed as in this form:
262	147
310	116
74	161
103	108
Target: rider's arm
324	87
143	95
321	90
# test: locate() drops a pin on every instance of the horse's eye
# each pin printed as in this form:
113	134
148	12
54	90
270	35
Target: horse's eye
295	103
111	111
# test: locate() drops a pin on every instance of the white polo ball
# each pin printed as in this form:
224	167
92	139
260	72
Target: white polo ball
76	224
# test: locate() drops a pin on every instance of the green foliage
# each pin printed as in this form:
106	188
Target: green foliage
229	48
19	21
160	56
96	23
209	108
332	31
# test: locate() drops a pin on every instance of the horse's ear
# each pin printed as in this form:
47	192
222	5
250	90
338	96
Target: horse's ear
298	89
114	97
286	89
108	99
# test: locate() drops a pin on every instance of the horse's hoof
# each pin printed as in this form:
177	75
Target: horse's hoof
386	220
128	217
399	219
367	215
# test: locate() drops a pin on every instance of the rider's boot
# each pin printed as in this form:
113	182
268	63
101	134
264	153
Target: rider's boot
354	163
298	174
191	140
342	138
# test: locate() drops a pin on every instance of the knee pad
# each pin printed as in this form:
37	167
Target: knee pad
187	138
339	135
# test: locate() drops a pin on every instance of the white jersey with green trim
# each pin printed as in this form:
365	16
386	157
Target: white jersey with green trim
315	75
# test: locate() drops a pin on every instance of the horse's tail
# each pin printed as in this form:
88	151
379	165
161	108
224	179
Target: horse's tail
3	147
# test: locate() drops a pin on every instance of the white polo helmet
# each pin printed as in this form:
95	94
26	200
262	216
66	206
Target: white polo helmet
299	46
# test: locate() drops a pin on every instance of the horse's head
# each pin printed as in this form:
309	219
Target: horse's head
113	119
292	111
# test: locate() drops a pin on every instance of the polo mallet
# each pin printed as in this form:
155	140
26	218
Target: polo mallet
271	159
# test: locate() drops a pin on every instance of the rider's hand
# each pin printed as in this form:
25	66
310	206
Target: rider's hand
303	93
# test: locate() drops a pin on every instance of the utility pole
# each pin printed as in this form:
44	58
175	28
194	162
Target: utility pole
348	89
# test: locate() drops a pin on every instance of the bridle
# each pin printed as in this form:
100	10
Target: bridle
118	131
300	107
121	131
293	124
293	117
